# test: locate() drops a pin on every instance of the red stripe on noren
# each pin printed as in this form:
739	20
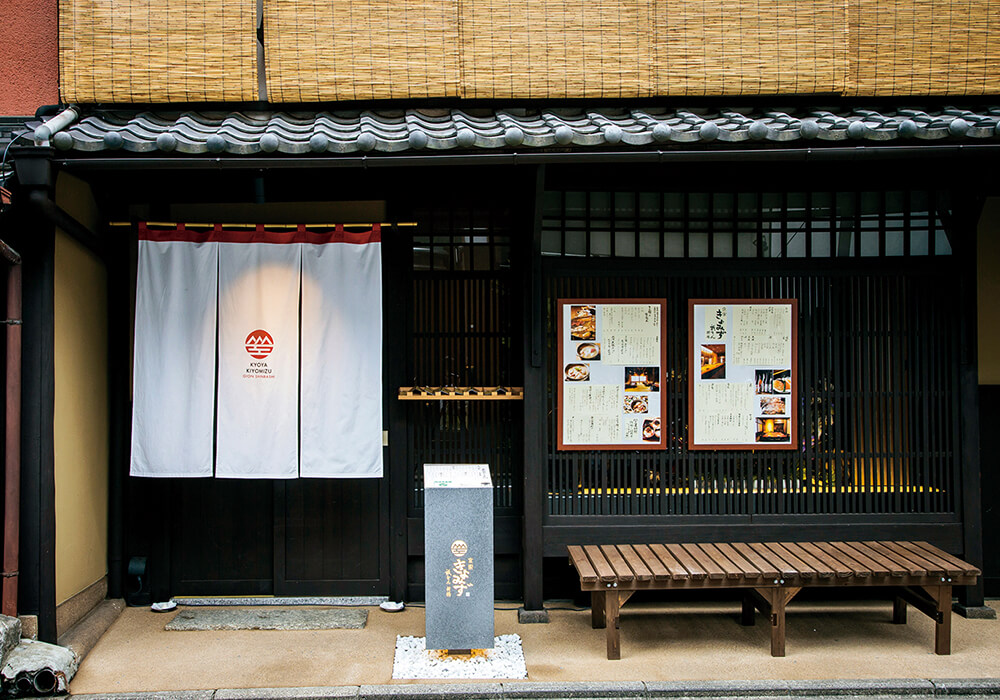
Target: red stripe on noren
261	234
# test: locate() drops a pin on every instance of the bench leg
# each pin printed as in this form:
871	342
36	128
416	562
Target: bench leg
898	611
776	599
777	622
597	610
942	627
612	618
747	618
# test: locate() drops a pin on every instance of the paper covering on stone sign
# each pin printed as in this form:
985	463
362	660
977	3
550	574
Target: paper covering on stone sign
258	391
342	357
174	363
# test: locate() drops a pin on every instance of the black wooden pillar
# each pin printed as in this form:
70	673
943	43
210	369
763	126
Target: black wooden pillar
534	406
964	227
118	267
397	248
35	240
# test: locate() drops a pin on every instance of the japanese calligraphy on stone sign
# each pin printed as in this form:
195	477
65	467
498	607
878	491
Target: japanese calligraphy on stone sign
742	374
610	373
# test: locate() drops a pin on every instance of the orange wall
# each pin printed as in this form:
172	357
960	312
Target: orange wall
28	56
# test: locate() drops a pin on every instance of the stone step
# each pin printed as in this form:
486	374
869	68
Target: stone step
10	636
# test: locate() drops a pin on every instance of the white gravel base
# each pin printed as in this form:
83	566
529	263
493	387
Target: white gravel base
504	660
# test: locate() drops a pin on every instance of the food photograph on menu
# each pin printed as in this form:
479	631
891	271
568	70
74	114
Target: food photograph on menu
583	322
713	361
611	358
644	379
741	387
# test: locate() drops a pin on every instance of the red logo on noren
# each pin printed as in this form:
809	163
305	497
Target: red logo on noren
259	344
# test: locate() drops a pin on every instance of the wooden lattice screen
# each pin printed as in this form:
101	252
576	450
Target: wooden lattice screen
878	414
464	306
878	351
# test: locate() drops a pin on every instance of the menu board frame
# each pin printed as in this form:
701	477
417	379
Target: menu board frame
694	369
563	308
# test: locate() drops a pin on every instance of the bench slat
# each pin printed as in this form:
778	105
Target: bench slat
786	569
621	568
841	570
582	565
803	569
967	568
822	570
747	569
894	568
704	559
911	568
932	568
634	561
687	561
676	569
941	562
652	562
876	568
712	550
751	561
857	568
767	570
600	564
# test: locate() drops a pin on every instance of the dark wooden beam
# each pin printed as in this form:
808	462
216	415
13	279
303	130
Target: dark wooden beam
534	407
397	252
119	407
963	236
36	592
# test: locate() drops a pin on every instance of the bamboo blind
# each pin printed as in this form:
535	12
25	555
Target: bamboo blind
321	50
552	48
157	50
334	50
750	47
924	47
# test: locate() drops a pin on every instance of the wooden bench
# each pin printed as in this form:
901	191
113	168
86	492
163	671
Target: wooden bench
772	574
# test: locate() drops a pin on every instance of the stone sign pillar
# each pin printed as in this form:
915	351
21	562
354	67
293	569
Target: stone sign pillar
458	556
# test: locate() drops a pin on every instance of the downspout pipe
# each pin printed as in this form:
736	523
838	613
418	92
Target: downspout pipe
12	437
57	123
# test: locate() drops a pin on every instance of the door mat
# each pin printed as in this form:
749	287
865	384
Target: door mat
414	661
268	619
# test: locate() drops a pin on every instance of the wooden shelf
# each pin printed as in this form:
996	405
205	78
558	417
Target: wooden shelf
461	393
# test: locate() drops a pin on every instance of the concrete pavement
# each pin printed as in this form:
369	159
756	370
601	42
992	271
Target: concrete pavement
668	650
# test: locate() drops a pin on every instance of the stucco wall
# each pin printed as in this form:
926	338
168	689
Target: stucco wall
28	55
988	264
81	402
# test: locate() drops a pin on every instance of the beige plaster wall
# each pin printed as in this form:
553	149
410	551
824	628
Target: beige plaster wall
81	401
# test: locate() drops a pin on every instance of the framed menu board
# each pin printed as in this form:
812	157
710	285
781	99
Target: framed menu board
743	385
611	358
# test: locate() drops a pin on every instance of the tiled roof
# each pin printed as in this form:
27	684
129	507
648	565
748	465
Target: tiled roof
336	132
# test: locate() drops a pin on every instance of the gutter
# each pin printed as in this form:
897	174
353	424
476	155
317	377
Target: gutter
810	154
